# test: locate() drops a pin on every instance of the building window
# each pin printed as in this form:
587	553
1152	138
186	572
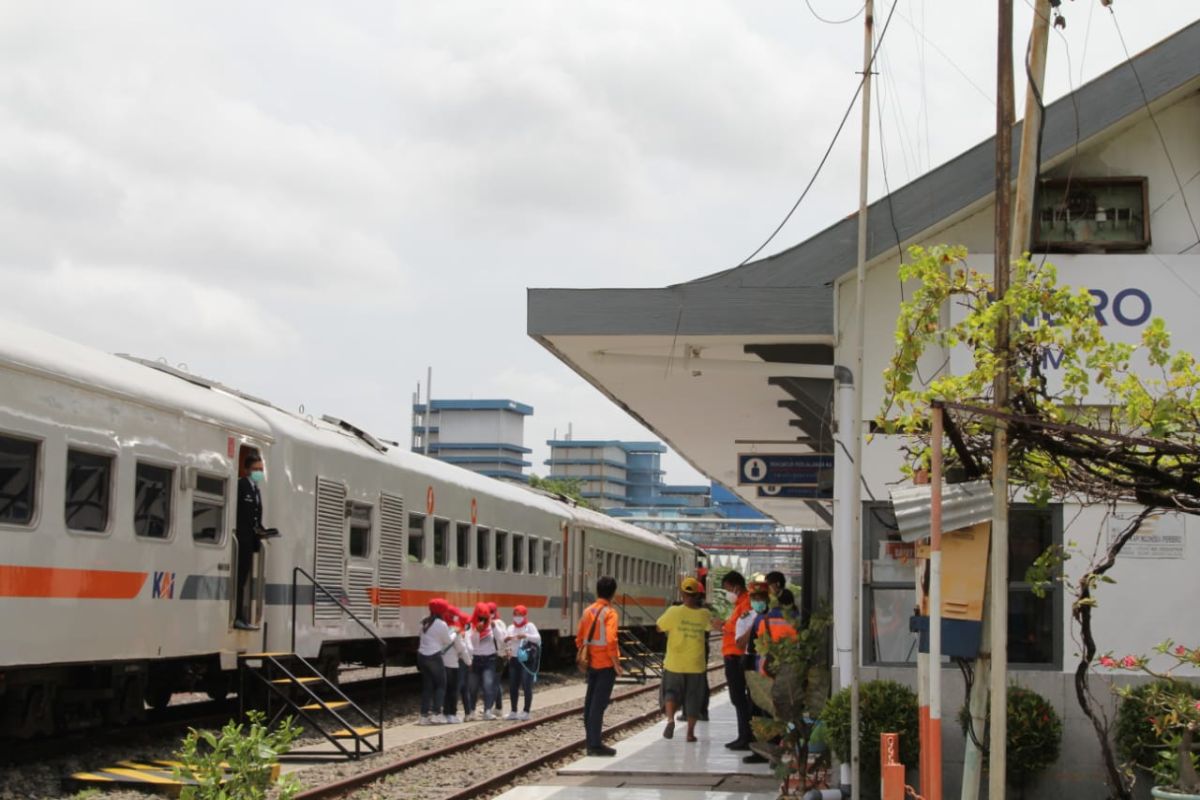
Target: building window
483	547
152	501
462	540
501	549
208	510
88	491
441	541
359	515
518	553
18	475
416	537
889	596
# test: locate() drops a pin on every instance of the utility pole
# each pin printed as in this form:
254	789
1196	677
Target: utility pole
999	567
860	309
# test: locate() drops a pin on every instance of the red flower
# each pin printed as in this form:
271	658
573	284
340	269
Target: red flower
1106	661
1129	661
1181	650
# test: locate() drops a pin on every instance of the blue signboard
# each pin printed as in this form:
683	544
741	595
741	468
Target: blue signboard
784	469
796	492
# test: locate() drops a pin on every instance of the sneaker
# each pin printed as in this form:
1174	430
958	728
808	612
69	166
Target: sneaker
424	720
487	715
754	758
453	719
602	750
437	719
511	715
523	715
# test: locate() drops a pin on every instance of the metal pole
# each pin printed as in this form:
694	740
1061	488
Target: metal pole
934	785
860	309
428	405
999	574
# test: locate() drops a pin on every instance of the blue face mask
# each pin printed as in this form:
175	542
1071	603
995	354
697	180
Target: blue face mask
759	605
258	476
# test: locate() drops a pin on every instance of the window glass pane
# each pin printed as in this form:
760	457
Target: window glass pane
360	529
18	466
483	547
416	537
891	641
518	553
463	543
1031	531
210	485
501	550
441	542
208	521
532	561
1030	628
152	501
89	482
549	559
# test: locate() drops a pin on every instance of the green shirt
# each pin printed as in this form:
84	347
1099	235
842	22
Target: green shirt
686	630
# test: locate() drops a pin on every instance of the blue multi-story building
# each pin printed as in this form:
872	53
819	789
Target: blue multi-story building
484	436
623	477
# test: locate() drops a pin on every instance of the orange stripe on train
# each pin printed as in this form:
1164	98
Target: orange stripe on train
88	584
464	600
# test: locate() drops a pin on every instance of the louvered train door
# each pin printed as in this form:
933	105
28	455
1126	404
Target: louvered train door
391	556
329	566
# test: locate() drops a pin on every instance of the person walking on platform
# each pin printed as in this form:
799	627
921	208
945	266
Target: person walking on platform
484	647
522	637
734	586
598	631
436	639
684	667
457	659
501	654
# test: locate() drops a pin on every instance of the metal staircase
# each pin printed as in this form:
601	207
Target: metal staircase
290	684
639	662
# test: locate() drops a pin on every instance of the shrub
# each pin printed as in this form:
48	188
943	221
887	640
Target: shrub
1034	735
1139	744
237	763
884	707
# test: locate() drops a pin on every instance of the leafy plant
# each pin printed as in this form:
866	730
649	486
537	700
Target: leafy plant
1138	743
571	488
1034	733
239	762
884	707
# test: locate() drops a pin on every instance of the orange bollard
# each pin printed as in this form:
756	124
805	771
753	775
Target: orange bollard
891	771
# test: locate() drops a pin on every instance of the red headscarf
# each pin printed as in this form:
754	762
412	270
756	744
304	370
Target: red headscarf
483	616
520	611
438	607
493	608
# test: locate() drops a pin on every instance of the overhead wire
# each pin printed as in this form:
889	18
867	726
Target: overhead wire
837	134
813	11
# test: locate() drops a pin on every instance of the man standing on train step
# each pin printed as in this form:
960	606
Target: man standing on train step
250	532
598	630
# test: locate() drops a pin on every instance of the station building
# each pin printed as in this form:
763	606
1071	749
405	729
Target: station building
751	359
484	436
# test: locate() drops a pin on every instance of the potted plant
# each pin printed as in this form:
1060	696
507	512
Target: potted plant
1034	735
1173	713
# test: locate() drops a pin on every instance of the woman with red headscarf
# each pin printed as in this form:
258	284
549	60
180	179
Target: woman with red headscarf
522	636
436	638
485	641
456	660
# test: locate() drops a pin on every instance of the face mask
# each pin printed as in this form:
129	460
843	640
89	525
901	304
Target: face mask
759	605
258	476
731	596
518	621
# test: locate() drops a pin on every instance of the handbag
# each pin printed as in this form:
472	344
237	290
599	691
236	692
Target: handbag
582	659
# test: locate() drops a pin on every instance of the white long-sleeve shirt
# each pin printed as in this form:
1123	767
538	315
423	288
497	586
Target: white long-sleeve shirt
490	641
513	641
460	650
435	638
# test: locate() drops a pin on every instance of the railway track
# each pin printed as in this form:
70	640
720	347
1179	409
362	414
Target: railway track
396	772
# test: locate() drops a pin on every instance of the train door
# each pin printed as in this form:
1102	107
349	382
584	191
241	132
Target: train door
248	547
361	531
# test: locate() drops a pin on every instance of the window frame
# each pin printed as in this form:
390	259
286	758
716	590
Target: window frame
35	495
114	466
533	555
408	537
370	507
172	470
199	494
486	553
500	542
463	560
444	534
548	557
517	554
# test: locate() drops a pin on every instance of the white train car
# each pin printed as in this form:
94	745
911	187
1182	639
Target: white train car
117	509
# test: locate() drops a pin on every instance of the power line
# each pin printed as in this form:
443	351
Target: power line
836	135
813	11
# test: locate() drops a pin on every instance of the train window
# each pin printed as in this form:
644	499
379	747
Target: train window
89	487
416	537
441	541
548	552
609	566
556	559
501	549
532	561
18	473
591	559
359	515
483	547
462	540
518	553
152	501
208	510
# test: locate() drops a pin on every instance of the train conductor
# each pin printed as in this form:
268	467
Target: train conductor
250	533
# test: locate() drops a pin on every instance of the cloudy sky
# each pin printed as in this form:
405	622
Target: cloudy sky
316	201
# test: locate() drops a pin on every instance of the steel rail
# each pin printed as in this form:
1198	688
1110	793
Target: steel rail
343	785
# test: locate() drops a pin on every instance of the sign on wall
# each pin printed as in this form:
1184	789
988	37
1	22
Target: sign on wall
1159	537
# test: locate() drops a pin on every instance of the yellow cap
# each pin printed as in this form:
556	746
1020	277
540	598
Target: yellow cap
690	586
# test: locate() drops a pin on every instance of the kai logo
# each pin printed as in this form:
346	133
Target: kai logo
164	585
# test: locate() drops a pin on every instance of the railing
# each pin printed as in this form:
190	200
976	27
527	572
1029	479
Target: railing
296	573
628	599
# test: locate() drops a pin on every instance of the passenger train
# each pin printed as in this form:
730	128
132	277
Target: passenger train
118	493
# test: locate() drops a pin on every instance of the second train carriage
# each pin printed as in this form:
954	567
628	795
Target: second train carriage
117	509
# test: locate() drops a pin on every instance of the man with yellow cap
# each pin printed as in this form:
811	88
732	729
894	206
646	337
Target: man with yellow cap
684	668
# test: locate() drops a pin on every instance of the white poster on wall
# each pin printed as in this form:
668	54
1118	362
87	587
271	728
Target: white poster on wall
1159	537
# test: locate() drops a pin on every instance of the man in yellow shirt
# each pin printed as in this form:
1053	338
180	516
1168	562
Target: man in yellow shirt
684	670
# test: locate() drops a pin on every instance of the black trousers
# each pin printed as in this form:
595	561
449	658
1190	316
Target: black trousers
245	566
739	695
600	684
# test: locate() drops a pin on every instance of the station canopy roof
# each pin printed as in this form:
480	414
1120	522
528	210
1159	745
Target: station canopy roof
743	359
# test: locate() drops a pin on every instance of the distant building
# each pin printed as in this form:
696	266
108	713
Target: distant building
484	436
623	477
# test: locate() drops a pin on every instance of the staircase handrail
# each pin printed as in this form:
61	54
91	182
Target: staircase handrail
627	598
296	572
